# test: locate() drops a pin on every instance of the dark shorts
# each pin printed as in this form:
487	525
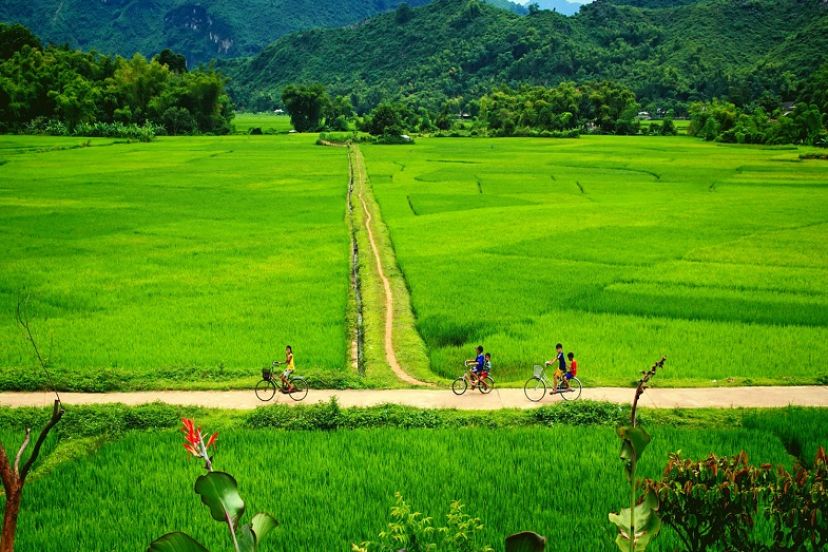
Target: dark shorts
569	375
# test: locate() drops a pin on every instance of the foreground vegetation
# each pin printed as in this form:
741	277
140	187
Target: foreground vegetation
183	262
515	470
621	248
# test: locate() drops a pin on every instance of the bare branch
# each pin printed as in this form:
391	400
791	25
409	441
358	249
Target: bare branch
57	414
6	473
22	449
23	322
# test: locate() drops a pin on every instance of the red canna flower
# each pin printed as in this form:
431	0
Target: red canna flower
194	440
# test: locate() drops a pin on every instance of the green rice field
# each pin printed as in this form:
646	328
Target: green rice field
182	262
331	489
621	248
269	123
191	262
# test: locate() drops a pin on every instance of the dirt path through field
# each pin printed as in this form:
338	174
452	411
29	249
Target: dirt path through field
362	184
733	397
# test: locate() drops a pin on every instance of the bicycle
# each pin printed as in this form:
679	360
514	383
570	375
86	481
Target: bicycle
485	383
296	388
535	387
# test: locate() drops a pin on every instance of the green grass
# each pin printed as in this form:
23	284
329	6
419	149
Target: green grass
268	122
182	262
190	262
329	489
622	248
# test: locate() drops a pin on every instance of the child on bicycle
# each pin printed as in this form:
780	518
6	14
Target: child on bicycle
573	366
476	365
560	366
287	387
488	366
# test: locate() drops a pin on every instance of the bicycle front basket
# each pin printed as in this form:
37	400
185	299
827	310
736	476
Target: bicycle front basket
266	374
538	370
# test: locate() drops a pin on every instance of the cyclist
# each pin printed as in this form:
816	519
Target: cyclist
287	386
560	367
476	365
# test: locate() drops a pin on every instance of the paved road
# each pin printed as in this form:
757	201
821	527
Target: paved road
444	398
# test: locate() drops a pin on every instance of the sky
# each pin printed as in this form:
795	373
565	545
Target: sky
573	1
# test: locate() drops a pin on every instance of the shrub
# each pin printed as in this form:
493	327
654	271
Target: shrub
414	532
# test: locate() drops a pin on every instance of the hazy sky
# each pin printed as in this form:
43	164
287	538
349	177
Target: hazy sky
573	1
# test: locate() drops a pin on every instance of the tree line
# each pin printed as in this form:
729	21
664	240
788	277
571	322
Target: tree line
804	121
562	111
56	90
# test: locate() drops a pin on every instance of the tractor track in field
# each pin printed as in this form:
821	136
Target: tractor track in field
718	397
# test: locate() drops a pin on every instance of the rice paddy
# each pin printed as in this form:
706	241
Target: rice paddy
331	489
621	248
191	262
182	262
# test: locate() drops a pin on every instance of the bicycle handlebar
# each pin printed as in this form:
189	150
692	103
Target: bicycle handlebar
276	363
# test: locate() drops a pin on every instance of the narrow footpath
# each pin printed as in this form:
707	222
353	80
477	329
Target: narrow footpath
732	397
361	185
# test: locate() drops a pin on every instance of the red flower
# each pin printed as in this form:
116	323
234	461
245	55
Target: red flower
194	441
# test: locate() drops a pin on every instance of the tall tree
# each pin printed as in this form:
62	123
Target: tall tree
305	105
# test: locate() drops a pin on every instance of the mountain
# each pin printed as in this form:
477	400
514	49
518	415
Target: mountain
669	52
200	29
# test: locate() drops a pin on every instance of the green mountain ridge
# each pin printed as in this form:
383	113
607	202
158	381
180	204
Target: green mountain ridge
668	52
200	29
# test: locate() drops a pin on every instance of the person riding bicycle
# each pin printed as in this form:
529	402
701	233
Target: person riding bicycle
287	386
476	365
488	367
560	367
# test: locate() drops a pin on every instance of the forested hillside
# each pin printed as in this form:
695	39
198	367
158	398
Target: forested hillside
200	29
669	53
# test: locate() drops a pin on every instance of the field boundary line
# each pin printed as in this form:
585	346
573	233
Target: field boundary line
355	309
362	188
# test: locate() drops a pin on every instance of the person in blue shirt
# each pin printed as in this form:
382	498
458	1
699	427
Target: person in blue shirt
476	365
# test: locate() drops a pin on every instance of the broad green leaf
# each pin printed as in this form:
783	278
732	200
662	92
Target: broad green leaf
634	441
636	436
246	539
525	542
647	524
251	534
220	493
176	542
262	524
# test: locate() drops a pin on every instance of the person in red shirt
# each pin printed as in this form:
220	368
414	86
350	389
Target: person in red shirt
573	366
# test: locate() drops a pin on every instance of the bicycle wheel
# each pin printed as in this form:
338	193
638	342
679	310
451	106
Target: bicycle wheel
534	389
459	385
265	390
486	385
573	392
300	389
